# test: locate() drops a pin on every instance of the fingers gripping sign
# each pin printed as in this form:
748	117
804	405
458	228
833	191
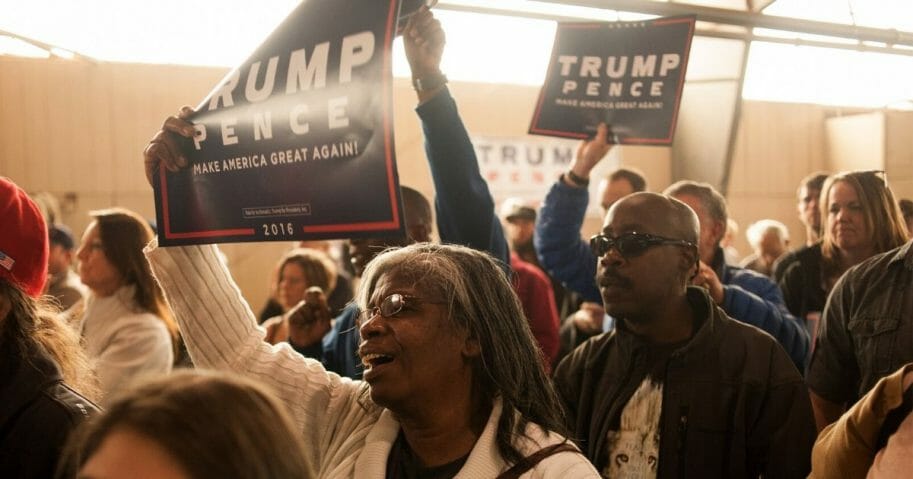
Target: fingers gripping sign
424	41
591	152
165	149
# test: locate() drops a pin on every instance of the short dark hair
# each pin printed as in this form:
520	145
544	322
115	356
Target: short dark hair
906	207
62	236
416	204
814	181
633	176
710	198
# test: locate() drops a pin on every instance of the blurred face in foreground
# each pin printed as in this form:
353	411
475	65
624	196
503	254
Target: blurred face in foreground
125	453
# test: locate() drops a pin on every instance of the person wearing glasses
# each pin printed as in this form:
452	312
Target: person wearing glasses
678	389
743	294
861	219
865	331
453	385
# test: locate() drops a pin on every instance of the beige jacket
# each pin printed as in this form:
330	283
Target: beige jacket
846	448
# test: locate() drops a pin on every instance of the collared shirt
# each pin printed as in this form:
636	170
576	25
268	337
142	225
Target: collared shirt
867	328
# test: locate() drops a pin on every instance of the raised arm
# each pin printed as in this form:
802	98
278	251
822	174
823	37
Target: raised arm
221	330
561	250
463	204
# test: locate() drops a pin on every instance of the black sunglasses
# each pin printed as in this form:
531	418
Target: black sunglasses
630	245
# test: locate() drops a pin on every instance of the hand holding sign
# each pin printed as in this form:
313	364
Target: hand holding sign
628	74
424	42
591	152
306	116
165	149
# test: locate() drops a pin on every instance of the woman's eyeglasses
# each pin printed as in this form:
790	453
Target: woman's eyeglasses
389	307
630	245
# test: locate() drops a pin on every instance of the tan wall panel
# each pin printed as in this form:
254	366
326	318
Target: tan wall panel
856	142
777	145
899	153
80	128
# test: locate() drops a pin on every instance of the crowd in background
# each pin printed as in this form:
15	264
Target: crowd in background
514	348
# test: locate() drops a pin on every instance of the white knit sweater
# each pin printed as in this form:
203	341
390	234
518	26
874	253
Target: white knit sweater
343	439
124	343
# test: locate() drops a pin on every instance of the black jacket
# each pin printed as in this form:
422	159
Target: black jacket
801	281
734	404
37	413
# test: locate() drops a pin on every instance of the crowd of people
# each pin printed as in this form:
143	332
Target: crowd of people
511	348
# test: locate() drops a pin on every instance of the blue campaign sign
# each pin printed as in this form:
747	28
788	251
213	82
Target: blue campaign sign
297	142
629	75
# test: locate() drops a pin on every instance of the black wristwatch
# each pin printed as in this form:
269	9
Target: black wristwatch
430	82
577	180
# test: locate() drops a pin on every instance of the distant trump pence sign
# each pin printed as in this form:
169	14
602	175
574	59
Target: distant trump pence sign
627	74
296	143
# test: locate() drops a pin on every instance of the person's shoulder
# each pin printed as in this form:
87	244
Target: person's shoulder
737	331
879	263
565	459
145	321
570	464
70	402
590	353
528	270
797	256
748	261
750	280
58	406
761	354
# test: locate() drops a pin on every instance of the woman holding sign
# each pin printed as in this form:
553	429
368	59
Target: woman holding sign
453	385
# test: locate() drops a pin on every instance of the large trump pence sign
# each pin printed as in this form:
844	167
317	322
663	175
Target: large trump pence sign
296	143
627	74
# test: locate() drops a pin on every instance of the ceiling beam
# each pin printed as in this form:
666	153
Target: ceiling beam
53	50
749	19
678	9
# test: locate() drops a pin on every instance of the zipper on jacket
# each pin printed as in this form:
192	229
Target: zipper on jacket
682	435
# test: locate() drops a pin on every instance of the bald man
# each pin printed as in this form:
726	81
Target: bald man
678	389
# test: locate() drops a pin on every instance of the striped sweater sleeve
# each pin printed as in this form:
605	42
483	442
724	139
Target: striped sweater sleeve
221	333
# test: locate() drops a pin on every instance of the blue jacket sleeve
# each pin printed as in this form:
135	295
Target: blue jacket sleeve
464	206
340	345
756	300
561	250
